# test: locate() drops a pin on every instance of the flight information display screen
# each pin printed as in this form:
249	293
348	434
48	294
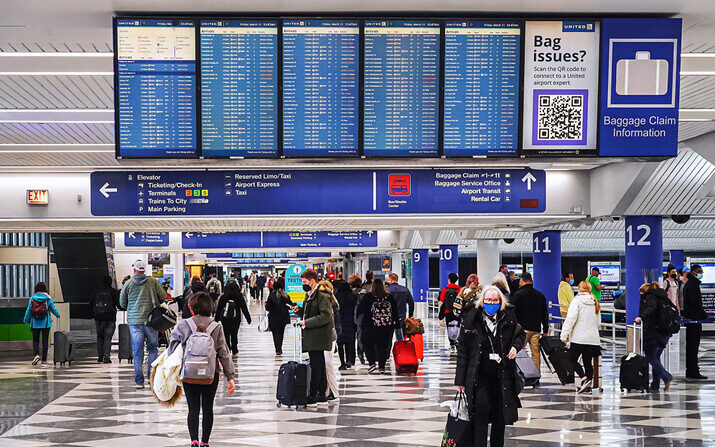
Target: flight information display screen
239	87
156	88
401	87
320	87
481	88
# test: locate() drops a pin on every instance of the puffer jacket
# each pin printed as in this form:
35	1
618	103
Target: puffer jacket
317	311
139	296
165	373
581	324
41	323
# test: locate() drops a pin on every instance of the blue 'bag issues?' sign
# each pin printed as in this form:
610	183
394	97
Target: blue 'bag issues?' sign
640	87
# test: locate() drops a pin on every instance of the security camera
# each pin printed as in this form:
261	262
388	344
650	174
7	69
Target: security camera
680	218
616	218
434	250
509	240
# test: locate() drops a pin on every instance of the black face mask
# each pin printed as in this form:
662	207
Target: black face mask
307	288
673	276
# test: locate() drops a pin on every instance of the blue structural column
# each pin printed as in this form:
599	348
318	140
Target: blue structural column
677	258
547	265
420	274
644	258
448	263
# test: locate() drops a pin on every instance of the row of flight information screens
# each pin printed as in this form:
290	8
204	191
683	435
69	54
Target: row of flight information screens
261	88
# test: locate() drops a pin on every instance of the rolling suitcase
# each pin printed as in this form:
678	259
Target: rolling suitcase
293	378
405	357
635	373
557	358
527	367
418	340
63	348
125	344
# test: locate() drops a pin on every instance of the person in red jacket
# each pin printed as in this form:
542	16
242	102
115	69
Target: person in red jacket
446	297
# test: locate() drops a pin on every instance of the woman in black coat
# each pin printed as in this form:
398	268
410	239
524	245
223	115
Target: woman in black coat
346	339
486	371
654	340
196	286
228	312
277	306
379	310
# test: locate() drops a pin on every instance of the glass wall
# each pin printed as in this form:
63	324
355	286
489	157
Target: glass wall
18	280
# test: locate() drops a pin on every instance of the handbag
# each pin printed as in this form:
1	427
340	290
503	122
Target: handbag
161	318
414	326
458	432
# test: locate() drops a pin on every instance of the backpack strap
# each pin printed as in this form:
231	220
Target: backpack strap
211	327
192	325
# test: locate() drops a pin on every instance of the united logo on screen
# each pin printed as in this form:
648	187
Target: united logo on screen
399	184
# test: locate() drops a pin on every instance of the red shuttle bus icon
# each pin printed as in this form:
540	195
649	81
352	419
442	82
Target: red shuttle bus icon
399	185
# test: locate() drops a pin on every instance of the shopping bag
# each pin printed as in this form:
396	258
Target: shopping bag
458	431
263	324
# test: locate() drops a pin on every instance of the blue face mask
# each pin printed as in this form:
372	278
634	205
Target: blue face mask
699	276
491	309
571	282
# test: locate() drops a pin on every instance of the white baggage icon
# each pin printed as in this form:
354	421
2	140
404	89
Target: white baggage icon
642	75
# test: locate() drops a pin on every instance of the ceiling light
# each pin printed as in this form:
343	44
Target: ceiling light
508	228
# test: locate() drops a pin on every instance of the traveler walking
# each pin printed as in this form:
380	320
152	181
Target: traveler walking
379	311
347	299
104	310
195	286
252	283
671	286
503	274
277	306
693	310
38	317
317	323
447	296
532	314
596	285
228	312
140	295
486	371
332	374
213	287
404	300
200	396
654	338
565	293
359	289
580	330
260	285
470	291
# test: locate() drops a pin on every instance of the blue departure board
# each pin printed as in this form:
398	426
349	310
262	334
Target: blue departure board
320	87
156	88
481	88
401	82
239	87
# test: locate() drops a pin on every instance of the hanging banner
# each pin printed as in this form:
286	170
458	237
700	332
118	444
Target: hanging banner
294	285
560	87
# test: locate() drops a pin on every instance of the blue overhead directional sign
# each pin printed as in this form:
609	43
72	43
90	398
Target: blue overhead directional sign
313	192
274	239
146	239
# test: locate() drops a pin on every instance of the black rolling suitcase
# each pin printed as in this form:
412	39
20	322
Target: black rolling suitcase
635	371
125	344
557	358
528	368
63	348
293	379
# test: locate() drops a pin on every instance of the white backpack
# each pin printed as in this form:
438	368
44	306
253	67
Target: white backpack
199	366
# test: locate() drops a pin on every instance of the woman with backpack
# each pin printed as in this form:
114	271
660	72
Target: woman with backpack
278	305
228	312
37	316
196	286
580	329
380	320
653	298
204	348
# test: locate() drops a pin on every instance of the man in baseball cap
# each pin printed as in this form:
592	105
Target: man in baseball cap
139	296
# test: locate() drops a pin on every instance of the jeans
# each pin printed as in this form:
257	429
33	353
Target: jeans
45	343
105	332
201	398
318	375
532	339
653	355
140	333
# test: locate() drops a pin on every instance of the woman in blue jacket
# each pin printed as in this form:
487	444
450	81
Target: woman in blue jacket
38	316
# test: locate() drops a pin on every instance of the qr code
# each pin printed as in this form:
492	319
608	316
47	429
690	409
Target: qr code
560	117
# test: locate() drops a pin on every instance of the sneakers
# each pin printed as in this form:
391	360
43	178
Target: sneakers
382	371
371	369
696	377
361	356
312	402
342	367
100	359
279	352
585	384
322	401
36	360
43	365
140	386
333	399
194	443
107	360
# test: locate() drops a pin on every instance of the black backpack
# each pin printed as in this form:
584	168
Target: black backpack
104	306
668	320
229	311
449	297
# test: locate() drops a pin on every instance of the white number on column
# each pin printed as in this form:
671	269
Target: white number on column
417	257
546	249
536	245
446	254
643	240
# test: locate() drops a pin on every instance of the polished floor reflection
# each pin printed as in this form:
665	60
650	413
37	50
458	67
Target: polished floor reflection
96	405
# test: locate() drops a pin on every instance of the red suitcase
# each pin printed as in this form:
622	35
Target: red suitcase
405	358
419	345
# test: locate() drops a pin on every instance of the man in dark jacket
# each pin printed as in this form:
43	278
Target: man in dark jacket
104	305
654	339
260	285
693	310
404	300
347	299
532	314
317	323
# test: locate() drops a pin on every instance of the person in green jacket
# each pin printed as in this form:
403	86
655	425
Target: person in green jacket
139	296
317	335
41	322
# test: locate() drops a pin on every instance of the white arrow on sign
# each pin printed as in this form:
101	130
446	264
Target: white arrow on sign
131	235
188	235
105	190
369	233
528	178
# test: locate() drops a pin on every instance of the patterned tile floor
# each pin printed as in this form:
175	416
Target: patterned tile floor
96	405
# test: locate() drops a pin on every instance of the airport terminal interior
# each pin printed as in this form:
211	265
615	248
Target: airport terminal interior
357	223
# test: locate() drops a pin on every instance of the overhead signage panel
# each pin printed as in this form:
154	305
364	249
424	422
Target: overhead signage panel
279	239
560	87
136	239
312	192
640	87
